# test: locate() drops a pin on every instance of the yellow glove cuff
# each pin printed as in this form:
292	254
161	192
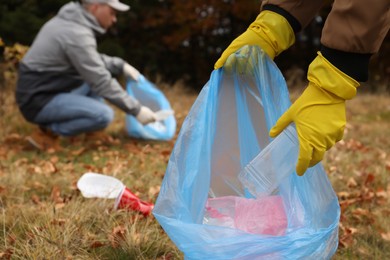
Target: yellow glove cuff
276	34
323	74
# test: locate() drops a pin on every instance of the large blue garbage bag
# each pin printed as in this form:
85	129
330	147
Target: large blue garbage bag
225	129
147	93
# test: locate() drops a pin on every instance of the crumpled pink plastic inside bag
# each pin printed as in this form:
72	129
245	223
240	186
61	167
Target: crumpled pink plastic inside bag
264	215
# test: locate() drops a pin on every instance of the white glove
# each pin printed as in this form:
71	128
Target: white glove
146	115
130	71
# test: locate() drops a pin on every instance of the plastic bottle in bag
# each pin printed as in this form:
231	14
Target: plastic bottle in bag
272	165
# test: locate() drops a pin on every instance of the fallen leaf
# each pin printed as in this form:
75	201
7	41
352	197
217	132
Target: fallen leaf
38	185
96	244
56	195
153	191
59	205
386	236
7	254
167	256
11	239
362	212
13	138
343	194
35	199
54	159
166	152
388	165
117	235
351	183
369	179
58	222
79	151
381	194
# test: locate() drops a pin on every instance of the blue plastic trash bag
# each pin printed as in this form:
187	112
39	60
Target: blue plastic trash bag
148	95
225	129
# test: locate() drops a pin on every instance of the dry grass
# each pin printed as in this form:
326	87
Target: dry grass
359	168
43	215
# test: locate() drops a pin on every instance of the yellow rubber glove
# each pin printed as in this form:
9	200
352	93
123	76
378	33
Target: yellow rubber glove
270	31
319	113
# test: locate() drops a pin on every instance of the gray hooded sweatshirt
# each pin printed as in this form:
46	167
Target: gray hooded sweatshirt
62	57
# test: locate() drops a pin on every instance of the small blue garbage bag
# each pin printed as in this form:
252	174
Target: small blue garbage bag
225	129
148	95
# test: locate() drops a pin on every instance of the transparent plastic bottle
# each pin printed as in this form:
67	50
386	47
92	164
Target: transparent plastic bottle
263	175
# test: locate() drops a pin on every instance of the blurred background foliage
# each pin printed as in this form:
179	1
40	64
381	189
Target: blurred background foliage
181	40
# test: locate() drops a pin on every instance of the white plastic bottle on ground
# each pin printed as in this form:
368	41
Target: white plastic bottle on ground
95	185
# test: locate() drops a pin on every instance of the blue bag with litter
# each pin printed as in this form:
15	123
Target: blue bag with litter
204	207
148	95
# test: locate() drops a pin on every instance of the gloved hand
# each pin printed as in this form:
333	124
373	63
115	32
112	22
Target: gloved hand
130	71
319	113
270	31
146	115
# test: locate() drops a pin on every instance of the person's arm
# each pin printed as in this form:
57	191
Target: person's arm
319	113
118	66
89	64
352	32
113	64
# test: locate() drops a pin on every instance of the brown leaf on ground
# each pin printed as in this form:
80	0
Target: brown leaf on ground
381	193
166	152
7	254
343	195
132	148
355	145
370	178
167	256
363	215
147	149
38	185
54	159
78	152
117	235
153	191
351	182
96	244
3	152
367	194
56	195
346	238
49	167
36	199
13	138
58	222
346	203
59	205
387	165
11	239
89	167
386	236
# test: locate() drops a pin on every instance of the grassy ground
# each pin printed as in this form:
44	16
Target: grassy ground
44	216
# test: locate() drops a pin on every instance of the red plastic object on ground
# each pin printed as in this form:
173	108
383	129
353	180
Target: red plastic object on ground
128	200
